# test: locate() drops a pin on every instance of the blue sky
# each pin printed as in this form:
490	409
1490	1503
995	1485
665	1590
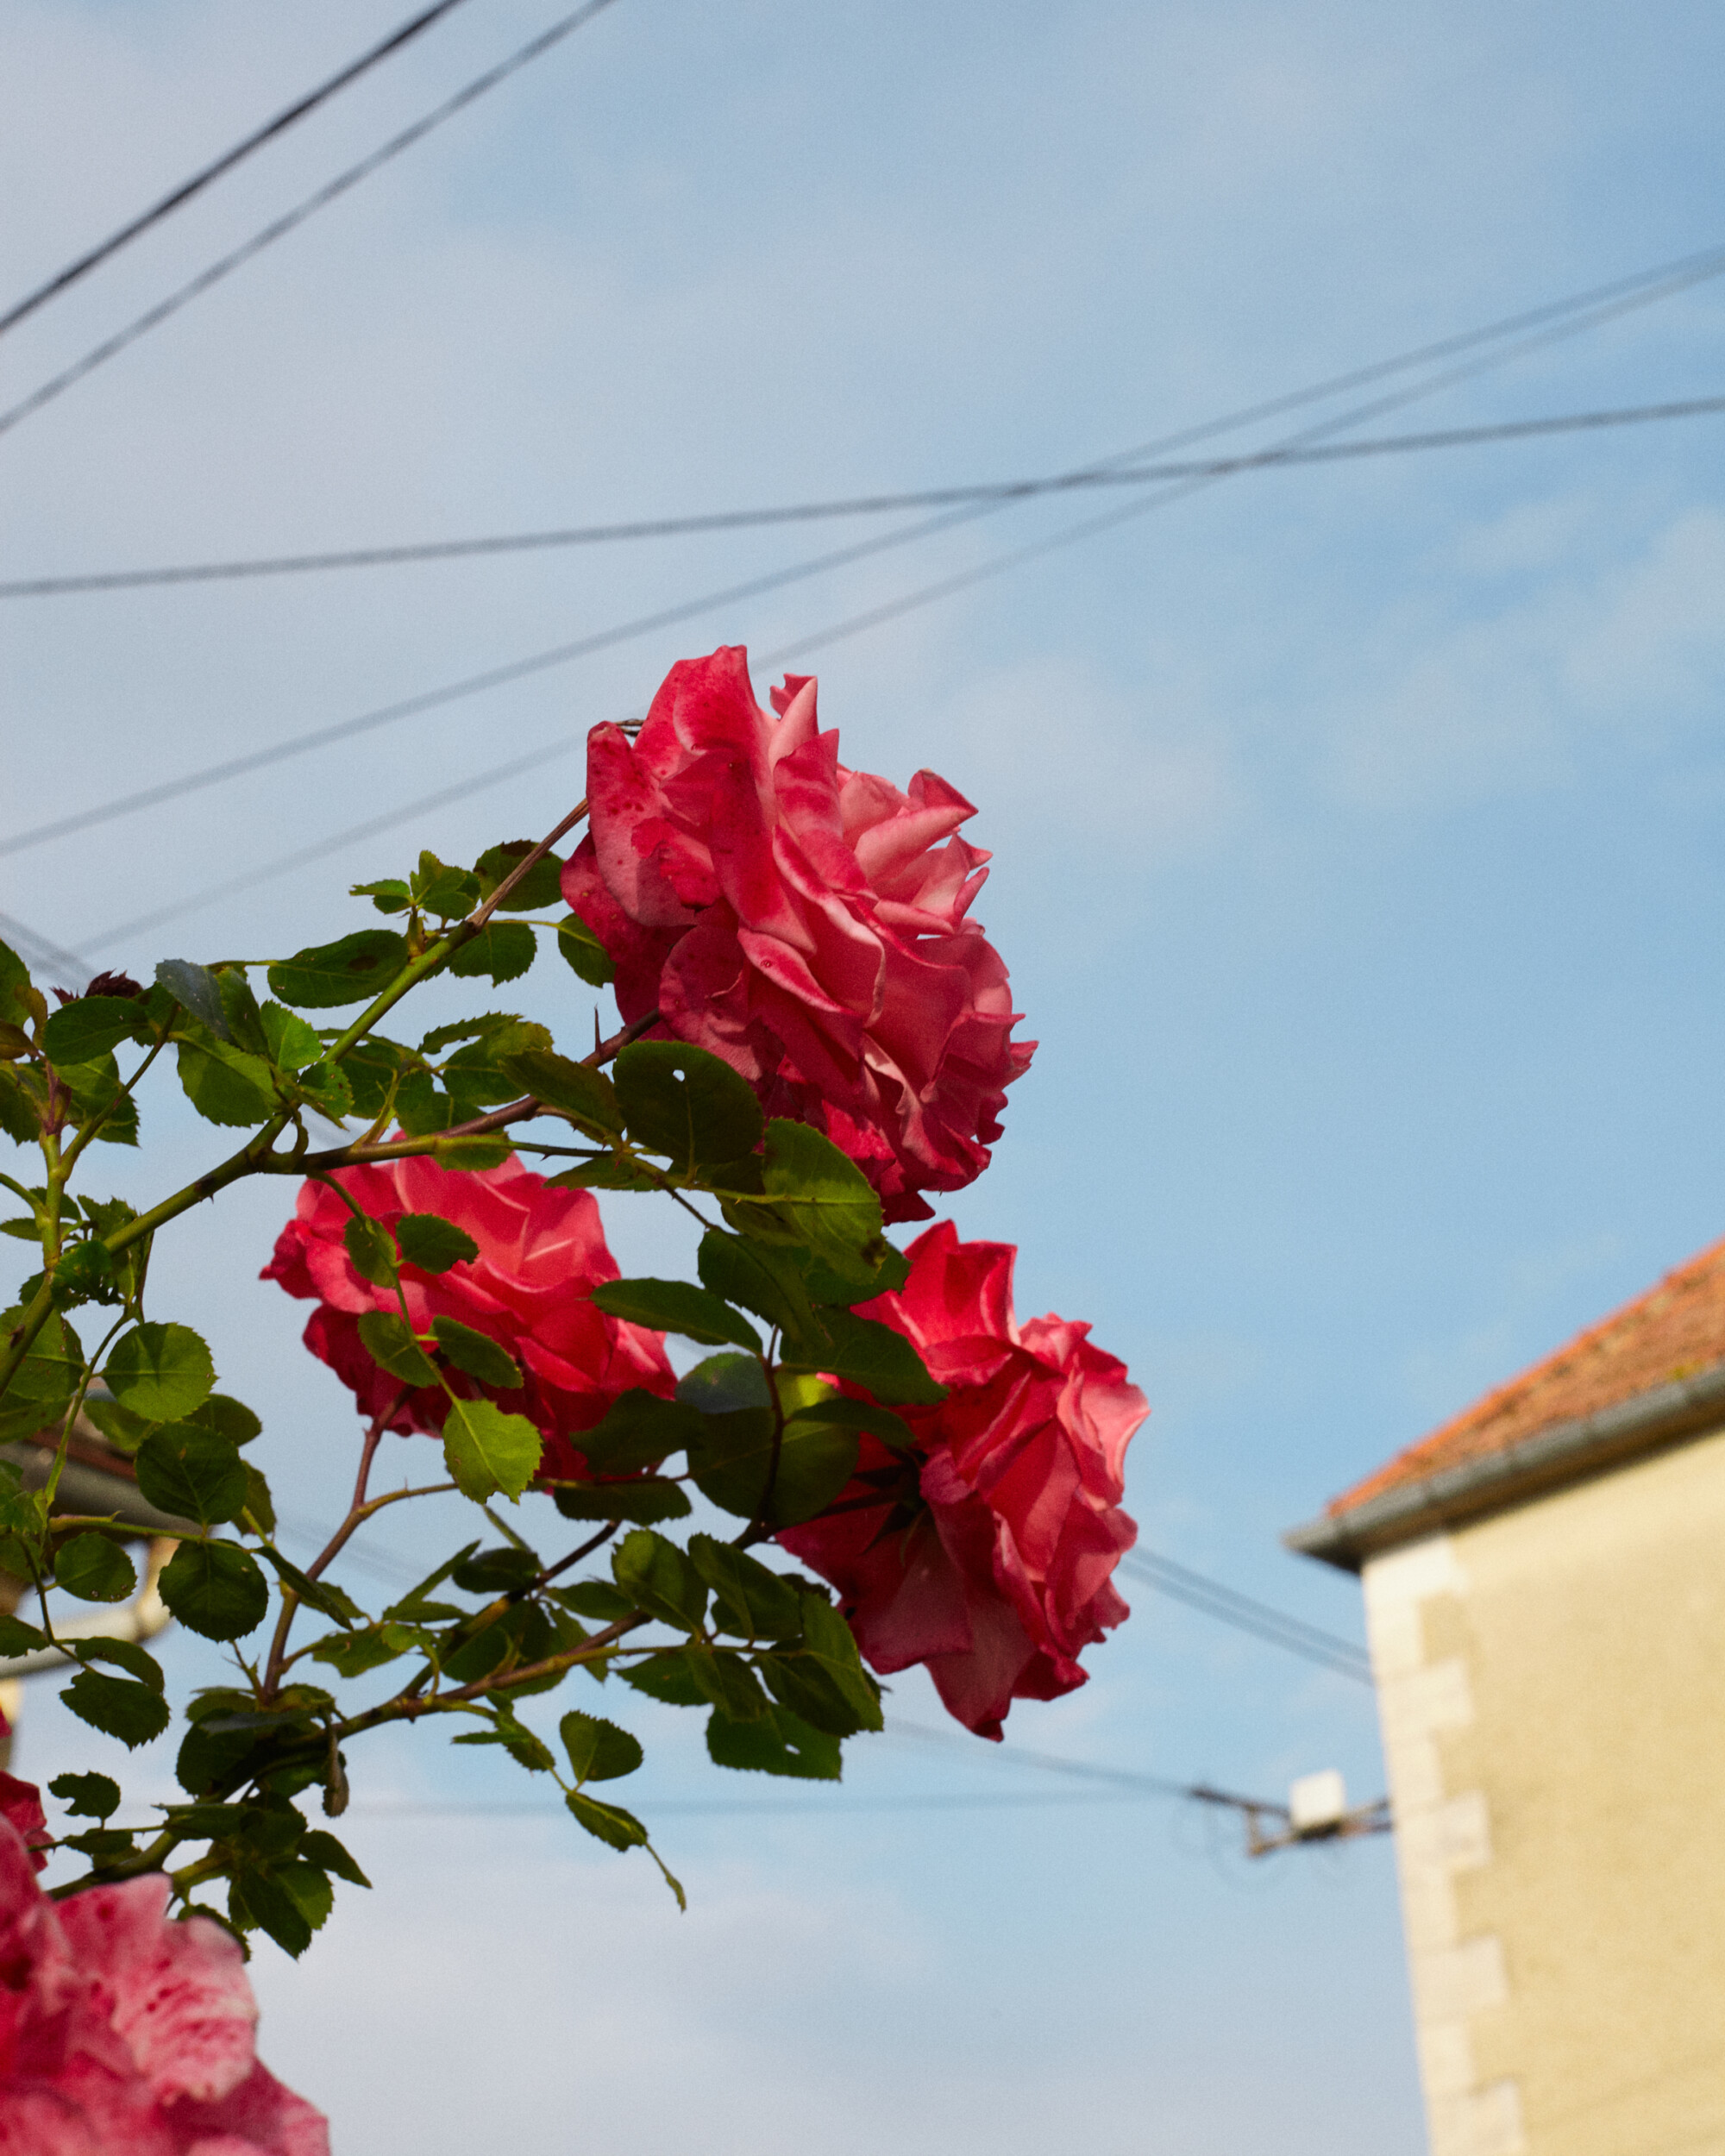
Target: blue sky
1356	860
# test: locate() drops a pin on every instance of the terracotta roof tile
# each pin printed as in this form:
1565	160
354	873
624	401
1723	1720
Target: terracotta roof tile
1675	1330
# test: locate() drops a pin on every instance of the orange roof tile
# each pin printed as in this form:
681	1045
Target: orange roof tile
1673	1331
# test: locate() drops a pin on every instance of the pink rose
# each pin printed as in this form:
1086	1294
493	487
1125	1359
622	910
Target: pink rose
541	1251
21	1807
805	922
123	2034
988	1557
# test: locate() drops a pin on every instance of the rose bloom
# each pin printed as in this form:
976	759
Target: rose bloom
805	922
540	1251
21	1807
123	2034
988	1557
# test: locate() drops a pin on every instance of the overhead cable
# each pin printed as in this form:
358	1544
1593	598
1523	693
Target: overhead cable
177	197
1245	1614
280	227
1642	293
1001	492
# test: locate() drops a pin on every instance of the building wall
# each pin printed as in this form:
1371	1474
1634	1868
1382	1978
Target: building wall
1551	1686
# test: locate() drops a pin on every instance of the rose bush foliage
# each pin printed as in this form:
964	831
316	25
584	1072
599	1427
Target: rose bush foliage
987	1558
806	922
815	1036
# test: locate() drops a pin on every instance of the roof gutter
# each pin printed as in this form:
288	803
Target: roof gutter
1565	1452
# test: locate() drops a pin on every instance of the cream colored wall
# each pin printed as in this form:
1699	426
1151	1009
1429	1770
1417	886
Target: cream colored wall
1551	1686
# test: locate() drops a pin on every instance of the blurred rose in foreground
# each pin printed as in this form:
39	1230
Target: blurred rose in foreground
123	2034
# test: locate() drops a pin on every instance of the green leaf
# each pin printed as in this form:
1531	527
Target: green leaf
780	1742
639	1430
825	1682
599	1750
124	1654
609	1822
195	990
324	1850
19	1106
872	1354
676	1305
733	1463
388	1339
216	1589
476	1077
88	1796
582	952
224	1084
372	1066
372	1249
497	1571
488	1450
685	1104
860	1414
642	1501
288	1039
610	1171
824	1200
93	1026
351	1654
15	1636
323	1595
540	887
312	1892
748	1599
117	1707
326	1086
505	950
586	1096
447	892
597	1599
351	971
94	1568
728	1684
239	1008
259	1504
660	1578
85	1270
723	1384
478	1354
160	1371
765	1278
228	1417
258	1903
389	895
474	1154
667	1676
434	1245
44	1383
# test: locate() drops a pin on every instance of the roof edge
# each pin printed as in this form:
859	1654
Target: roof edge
1564	1453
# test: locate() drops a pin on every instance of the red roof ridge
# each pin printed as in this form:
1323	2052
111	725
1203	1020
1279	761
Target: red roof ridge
1687	1334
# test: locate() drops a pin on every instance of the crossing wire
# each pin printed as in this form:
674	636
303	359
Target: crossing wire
1556	320
993	492
177	197
280	227
1247	1614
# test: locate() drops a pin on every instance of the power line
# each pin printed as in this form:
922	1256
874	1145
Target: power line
1223	1603
281	226
472	685
1583	312
175	196
1001	492
39	954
